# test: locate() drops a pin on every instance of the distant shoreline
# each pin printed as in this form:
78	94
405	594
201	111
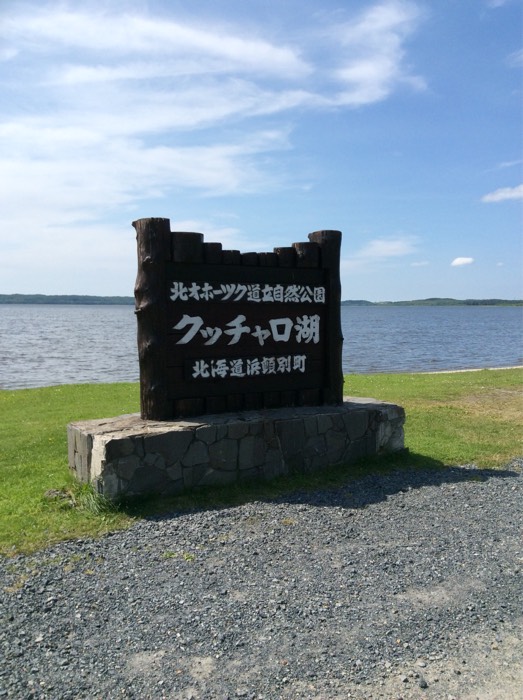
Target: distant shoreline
83	300
438	301
69	299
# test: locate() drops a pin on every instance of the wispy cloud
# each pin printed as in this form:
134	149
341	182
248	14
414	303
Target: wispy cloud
459	262
123	107
367	54
119	35
7	54
89	176
126	103
372	53
504	194
509	164
515	59
230	237
381	250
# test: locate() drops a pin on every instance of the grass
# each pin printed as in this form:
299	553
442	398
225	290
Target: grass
455	418
469	417
33	461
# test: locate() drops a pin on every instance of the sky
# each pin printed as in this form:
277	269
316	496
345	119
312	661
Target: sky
397	122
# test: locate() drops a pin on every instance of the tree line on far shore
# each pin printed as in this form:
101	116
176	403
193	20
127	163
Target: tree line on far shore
82	299
438	301
63	299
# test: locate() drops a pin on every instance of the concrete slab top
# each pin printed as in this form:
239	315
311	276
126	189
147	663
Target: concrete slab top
132	424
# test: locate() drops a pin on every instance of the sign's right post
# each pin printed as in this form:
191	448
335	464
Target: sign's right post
330	246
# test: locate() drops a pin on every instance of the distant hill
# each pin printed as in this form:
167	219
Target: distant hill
129	301
62	299
437	301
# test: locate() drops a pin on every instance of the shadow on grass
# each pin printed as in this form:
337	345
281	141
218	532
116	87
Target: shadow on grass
348	486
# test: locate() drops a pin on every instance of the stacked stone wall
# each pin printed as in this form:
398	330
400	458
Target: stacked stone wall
127	456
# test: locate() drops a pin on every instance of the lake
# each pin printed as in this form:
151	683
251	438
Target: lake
42	345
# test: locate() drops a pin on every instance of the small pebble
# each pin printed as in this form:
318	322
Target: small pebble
422	682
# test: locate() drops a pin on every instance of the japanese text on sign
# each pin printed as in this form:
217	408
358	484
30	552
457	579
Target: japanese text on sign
274	293
304	329
248	367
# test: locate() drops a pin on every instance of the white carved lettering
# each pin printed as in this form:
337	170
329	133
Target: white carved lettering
196	322
247	367
308	328
281	329
237	330
277	293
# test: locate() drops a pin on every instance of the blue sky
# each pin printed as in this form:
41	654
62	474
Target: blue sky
255	123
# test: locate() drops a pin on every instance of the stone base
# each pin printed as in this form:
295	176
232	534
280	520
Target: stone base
127	456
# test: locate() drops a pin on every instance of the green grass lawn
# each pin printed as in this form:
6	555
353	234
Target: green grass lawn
33	460
469	417
455	418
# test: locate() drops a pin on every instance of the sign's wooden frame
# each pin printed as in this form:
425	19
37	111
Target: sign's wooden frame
222	331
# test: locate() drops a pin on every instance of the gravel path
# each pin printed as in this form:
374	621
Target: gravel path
408	585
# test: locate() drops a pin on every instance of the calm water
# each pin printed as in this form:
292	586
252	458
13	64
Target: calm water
46	344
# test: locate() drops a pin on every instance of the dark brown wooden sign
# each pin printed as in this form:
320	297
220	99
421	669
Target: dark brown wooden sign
223	331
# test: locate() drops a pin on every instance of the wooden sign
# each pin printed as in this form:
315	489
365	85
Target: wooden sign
223	331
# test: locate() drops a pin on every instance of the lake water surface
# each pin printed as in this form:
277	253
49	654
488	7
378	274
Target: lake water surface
43	345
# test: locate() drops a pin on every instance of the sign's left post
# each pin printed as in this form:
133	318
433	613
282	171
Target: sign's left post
153	237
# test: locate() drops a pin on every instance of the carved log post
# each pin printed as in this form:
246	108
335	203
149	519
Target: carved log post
307	254
330	245
286	257
153	238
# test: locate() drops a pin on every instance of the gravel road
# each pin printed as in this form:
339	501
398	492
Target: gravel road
406	585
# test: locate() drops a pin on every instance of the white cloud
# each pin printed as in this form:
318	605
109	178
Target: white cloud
230	237
7	54
78	176
509	164
516	59
459	262
123	34
496	3
128	107
504	194
122	108
366	52
372	53
380	250
365	57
